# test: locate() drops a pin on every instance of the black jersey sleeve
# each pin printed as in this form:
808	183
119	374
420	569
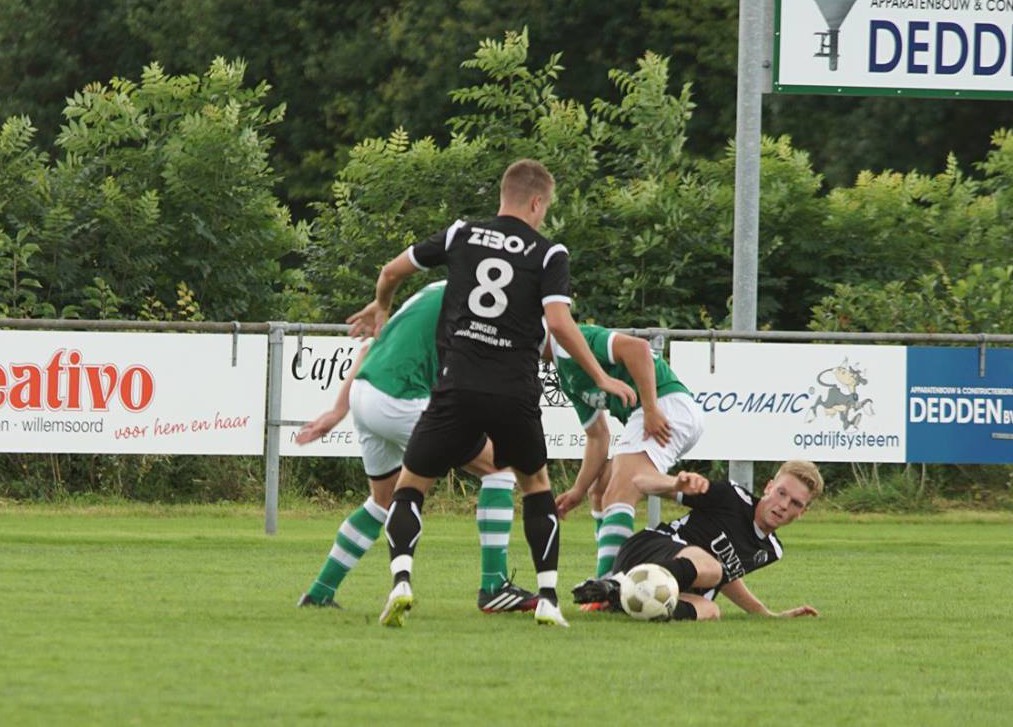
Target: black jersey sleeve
555	279
432	252
720	495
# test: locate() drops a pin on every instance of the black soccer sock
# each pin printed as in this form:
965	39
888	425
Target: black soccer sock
404	528
684	611
684	572
541	528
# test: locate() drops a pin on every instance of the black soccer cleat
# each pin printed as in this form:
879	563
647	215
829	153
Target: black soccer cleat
508	597
598	591
307	601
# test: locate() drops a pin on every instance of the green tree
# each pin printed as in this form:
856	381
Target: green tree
167	181
921	253
647	226
48	48
22	197
390	192
979	301
791	272
893	226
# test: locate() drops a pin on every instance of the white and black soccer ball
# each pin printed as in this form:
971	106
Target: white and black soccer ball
649	592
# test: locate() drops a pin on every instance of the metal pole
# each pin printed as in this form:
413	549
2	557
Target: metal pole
653	501
272	451
769	12
748	114
653	510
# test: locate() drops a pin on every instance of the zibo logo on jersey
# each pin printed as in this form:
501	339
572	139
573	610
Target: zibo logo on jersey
495	240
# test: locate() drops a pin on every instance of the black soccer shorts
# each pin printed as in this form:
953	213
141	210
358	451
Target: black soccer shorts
452	430
647	546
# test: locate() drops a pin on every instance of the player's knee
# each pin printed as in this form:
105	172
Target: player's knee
621	492
708	568
534	483
383	499
382	488
710	575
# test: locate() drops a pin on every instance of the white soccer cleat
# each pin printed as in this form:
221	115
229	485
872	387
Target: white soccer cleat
399	603
548	614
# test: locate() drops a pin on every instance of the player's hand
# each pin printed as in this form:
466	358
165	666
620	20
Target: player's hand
317	428
691	483
799	611
620	389
368	321
656	425
567	501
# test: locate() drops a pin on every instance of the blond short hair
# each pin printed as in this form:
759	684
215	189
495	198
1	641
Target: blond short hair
525	179
805	472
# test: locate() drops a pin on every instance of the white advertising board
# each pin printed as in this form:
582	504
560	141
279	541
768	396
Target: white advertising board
769	402
961	48
132	393
313	371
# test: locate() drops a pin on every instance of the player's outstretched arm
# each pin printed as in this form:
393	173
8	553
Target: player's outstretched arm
324	423
804	610
566	333
592	466
636	357
662	485
368	321
737	592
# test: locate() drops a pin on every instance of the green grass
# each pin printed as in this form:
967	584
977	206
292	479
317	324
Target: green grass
182	616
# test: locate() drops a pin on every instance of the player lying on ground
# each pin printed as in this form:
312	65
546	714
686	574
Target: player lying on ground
386	390
659	429
727	534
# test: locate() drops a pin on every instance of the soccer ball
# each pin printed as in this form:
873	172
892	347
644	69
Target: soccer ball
649	592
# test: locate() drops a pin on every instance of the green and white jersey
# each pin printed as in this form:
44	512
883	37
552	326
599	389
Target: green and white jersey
403	362
588	399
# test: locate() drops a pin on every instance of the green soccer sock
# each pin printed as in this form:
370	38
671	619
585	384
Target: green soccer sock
616	528
355	536
495	516
597	516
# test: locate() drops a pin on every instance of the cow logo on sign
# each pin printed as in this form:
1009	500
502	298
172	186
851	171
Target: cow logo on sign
840	396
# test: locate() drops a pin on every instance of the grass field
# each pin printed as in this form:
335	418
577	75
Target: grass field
147	616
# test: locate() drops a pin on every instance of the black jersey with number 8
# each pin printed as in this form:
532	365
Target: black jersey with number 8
500	274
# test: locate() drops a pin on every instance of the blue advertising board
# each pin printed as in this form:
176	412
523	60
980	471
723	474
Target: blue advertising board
955	412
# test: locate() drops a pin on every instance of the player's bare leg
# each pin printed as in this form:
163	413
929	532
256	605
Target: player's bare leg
619	506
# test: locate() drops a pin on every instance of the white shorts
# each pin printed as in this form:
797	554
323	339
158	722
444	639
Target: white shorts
685	417
384	425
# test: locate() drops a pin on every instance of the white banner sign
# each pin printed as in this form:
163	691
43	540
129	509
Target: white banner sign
314	371
157	393
136	393
564	437
912	47
770	402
